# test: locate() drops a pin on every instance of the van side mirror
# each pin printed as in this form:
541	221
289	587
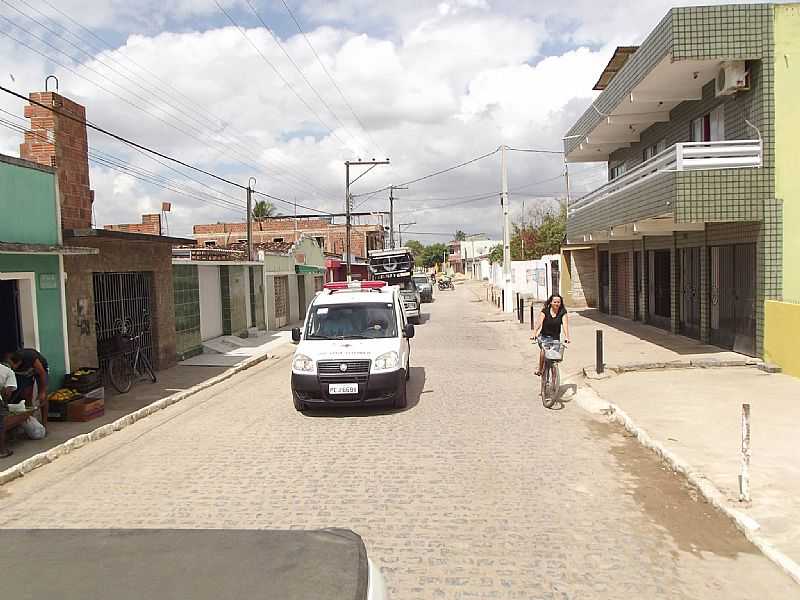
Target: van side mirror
295	334
408	330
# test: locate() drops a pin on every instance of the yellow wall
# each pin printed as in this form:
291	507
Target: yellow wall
565	284
781	332
787	140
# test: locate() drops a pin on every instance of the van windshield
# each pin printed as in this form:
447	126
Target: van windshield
352	321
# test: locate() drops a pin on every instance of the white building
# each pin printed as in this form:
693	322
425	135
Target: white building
473	249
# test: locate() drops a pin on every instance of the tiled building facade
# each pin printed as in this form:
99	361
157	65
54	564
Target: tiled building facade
696	247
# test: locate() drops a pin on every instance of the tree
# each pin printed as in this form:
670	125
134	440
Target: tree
417	250
551	233
262	210
433	254
460	236
496	254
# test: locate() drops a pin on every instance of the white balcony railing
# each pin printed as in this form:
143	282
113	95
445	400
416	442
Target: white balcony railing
686	156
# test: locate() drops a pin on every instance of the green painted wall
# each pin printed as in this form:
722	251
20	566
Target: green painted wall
48	304
787	139
186	287
28	205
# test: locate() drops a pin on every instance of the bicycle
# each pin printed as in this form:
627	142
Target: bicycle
125	366
551	380
130	361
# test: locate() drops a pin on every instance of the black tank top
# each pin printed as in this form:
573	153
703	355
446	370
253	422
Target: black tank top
551	327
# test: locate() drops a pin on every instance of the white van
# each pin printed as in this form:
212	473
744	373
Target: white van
354	348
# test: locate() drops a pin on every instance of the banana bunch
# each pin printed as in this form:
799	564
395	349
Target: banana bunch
82	372
63	395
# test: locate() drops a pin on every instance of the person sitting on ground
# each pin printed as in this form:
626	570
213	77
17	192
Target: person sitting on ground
553	315
8	386
30	367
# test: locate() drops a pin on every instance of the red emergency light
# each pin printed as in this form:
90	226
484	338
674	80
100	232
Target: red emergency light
354	285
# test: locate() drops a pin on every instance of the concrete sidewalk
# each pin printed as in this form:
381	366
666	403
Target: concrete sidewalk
694	414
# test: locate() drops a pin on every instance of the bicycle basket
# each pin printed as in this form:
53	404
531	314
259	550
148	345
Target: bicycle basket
554	351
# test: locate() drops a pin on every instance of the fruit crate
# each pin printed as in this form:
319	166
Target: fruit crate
85	409
88	380
57	411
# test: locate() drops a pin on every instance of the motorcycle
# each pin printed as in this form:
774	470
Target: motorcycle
446	284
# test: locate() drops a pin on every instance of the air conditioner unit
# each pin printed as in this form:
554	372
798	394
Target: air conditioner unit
732	78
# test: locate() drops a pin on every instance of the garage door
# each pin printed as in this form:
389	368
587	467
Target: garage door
210	303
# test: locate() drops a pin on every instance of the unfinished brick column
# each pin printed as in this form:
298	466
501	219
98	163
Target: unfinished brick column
60	142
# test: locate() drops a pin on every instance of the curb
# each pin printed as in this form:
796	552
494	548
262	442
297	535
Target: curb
697	363
748	526
72	444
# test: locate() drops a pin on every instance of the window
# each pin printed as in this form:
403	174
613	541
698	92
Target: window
352	321
277	239
321	241
617	171
710	127
209	243
651	151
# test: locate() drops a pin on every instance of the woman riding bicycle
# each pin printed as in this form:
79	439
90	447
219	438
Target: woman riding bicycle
553	316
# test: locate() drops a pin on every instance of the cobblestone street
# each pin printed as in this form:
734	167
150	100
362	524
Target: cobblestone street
474	491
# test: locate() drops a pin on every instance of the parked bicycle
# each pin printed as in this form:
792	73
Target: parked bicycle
130	363
551	380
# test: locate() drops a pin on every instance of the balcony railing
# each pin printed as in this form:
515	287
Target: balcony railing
686	156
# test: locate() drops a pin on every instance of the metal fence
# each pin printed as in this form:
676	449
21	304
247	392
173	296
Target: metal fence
122	306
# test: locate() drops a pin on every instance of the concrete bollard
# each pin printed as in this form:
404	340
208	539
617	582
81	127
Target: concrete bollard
744	477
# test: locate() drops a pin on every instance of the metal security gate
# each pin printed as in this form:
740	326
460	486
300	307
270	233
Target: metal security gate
122	306
637	286
620	280
301	296
602	258
690	291
281	301
660	286
733	291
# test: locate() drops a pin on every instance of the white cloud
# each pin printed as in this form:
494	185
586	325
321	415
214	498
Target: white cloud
439	84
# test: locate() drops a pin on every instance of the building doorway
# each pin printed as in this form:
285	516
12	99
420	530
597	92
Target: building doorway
733	295
690	292
301	296
660	284
637	286
620	277
281	301
11	322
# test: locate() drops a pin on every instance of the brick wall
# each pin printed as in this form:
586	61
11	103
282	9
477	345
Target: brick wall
118	256
363	238
60	142
150	225
584	278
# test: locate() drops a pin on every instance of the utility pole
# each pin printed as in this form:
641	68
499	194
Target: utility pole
400	231
391	213
348	200
250	185
506	231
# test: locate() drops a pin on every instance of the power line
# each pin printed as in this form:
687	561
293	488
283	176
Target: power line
299	70
333	81
241	30
150	150
230	141
428	176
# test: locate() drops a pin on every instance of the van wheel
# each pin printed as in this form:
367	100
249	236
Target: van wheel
298	405
401	401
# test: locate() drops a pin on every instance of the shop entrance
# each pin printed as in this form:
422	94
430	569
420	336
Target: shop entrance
660	285
301	296
733	295
620	278
637	286
690	291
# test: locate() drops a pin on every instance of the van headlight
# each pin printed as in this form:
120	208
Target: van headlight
302	364
386	362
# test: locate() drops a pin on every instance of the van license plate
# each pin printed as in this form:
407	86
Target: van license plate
343	388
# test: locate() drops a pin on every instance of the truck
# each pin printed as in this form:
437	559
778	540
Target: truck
396	267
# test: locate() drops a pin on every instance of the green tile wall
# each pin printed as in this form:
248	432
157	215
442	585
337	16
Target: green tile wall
186	288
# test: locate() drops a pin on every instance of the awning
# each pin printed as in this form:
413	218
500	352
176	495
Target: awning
17	248
308	269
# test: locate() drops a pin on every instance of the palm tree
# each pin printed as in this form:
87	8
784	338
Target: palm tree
263	210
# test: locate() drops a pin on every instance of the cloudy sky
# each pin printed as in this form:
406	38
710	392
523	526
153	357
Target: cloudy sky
287	91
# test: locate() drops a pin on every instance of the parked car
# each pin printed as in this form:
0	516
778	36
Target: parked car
425	288
354	348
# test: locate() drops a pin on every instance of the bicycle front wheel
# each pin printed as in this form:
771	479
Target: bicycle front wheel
120	372
547	398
